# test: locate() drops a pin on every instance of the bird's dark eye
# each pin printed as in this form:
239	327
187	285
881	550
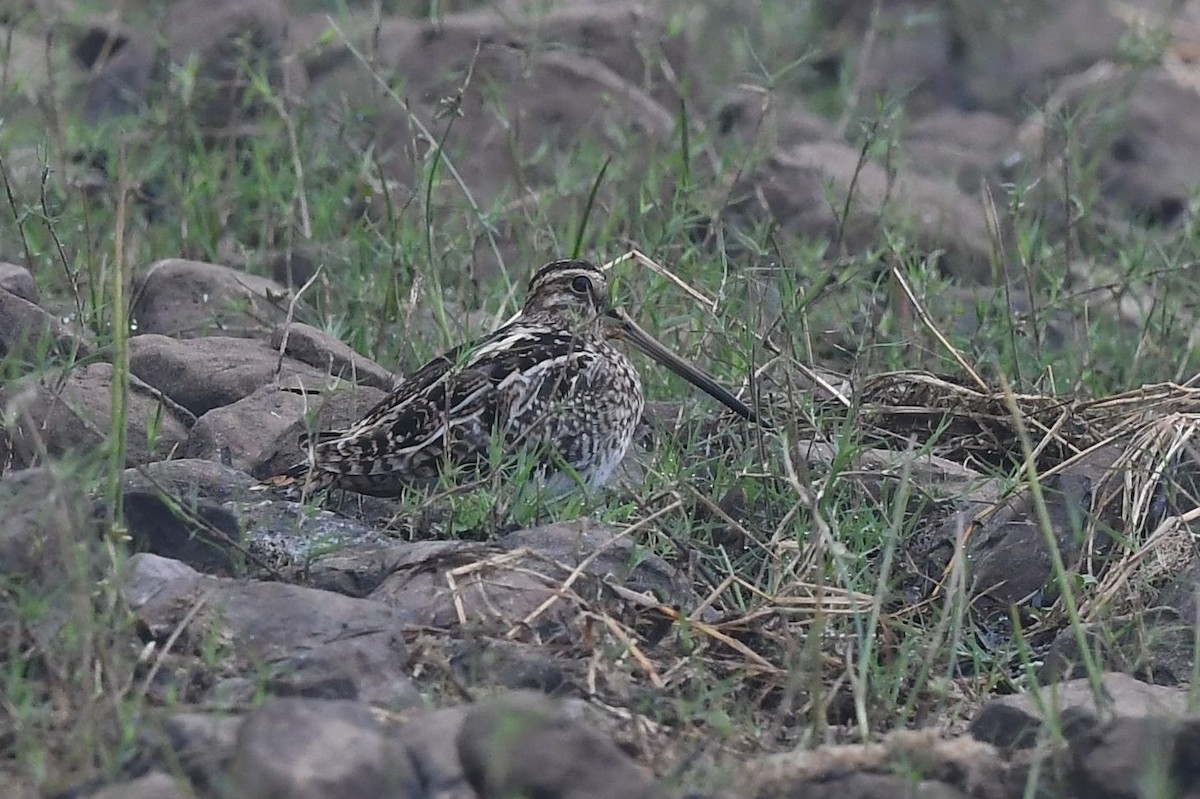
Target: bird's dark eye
581	285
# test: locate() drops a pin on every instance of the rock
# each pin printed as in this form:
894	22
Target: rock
311	749
357	569
1123	758
913	57
44	520
1017	63
294	540
70	411
232	44
311	346
155	785
293	267
1015	721
1009	556
201	533
521	744
1007	553
607	554
150	575
1146	146
228	43
867	785
17	280
119	65
934	476
205	373
243	433
191	298
963	146
188	480
1178	596
555	98
756	119
423	598
25	329
16	786
429	742
558	101
296	640
201	745
793	188
511	664
629	38
504	592
1157	645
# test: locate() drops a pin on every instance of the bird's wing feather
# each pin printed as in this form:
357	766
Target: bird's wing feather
454	402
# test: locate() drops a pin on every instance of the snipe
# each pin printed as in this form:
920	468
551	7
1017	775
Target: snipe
550	381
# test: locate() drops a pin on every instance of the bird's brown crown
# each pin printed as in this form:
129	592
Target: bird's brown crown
576	290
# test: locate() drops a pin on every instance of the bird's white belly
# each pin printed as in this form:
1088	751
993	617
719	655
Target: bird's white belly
592	475
603	470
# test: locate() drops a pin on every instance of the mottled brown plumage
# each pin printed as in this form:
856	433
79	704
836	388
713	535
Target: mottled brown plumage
550	382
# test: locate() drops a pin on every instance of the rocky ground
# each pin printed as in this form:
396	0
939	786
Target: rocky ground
371	647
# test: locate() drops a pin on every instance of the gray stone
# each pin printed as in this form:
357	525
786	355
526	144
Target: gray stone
243	433
176	297
302	641
1061	39
189	479
205	373
851	784
750	118
957	144
150	575
18	786
480	660
793	187
357	569
607	554
1128	758
201	745
119	63
71	410
429	741
25	329
318	349
232	45
1017	720
1158	644
1010	559
200	532
492	599
314	749
522	744
155	785
43	517
18	280
293	539
508	591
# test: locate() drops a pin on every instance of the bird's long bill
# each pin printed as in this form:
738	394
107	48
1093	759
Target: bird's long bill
624	327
